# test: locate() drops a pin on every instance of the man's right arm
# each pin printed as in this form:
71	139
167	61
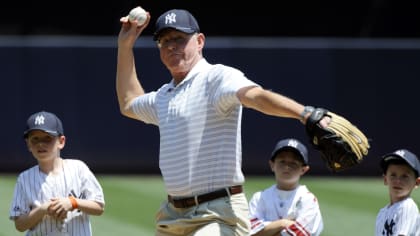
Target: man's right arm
127	85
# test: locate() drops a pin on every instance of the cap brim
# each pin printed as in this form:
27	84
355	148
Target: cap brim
288	148
184	30
53	133
393	156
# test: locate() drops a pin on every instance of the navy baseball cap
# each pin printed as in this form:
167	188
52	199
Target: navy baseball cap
44	121
178	19
292	145
404	155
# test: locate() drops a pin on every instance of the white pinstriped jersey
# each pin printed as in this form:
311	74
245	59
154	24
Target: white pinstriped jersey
34	187
299	205
400	218
200	128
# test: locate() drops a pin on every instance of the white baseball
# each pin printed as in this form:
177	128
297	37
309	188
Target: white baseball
138	14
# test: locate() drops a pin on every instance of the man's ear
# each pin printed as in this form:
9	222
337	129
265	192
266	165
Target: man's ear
201	39
62	141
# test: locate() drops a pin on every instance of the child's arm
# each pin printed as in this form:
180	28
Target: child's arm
90	207
60	206
30	220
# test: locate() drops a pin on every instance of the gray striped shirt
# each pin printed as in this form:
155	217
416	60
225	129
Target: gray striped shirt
200	129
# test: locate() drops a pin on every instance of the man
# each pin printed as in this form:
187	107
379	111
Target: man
199	118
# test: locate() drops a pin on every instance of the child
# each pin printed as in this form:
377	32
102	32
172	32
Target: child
286	208
56	196
401	170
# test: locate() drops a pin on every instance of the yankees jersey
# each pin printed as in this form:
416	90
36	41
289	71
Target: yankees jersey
34	187
400	218
299	205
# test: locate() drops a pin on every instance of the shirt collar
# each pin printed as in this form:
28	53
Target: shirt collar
201	65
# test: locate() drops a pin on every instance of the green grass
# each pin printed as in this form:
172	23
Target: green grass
349	205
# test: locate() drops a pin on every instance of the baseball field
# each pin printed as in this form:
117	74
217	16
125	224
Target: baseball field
348	204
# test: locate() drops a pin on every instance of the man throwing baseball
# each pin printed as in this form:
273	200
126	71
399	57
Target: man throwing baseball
199	114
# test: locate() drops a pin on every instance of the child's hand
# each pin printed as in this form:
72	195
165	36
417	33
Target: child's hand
44	206
59	207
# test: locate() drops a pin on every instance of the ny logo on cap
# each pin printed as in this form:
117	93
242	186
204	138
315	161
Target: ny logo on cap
39	120
170	18
400	152
292	143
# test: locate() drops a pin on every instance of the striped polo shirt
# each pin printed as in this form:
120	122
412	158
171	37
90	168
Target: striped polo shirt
200	129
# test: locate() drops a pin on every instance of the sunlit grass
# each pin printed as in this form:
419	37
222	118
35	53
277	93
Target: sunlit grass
348	205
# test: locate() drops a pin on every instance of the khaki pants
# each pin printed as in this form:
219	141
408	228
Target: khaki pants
226	216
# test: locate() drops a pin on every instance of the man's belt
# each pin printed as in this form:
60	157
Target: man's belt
196	200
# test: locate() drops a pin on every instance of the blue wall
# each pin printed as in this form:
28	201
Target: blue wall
373	83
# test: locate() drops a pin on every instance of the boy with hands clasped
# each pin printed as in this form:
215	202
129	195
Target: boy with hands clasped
286	208
56	196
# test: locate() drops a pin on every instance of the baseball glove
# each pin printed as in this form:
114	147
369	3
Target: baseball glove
342	145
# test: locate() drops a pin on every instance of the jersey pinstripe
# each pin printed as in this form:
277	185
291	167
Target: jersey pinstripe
34	187
400	218
299	205
200	128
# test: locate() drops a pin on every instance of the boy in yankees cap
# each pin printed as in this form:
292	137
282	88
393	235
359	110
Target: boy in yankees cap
286	208
401	171
56	196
